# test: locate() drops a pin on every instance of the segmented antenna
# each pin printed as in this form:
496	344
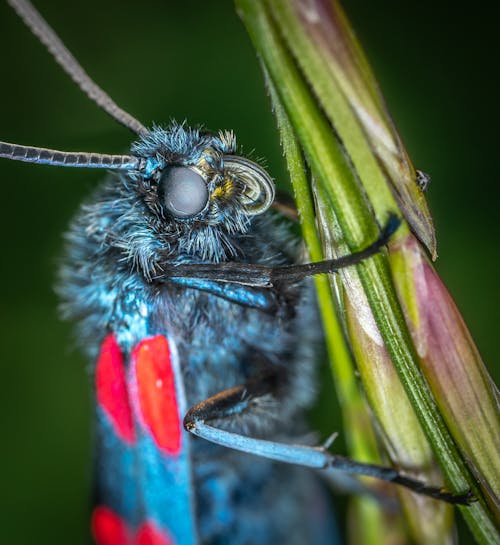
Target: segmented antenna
35	22
46	156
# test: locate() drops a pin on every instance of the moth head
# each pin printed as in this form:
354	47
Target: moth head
201	195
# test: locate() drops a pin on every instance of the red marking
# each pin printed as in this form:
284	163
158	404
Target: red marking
108	528
111	388
149	534
156	392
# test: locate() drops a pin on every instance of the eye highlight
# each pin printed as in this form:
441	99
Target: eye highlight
183	192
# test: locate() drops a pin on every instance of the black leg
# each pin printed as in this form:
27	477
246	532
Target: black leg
255	275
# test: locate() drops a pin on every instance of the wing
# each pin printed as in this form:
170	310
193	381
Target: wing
144	490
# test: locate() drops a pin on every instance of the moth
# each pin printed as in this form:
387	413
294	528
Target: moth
192	305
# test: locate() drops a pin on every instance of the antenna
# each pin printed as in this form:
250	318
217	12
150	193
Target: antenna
44	156
36	23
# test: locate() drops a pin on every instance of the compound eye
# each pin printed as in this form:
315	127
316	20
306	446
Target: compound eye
183	192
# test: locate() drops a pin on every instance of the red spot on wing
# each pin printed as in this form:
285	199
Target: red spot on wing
108	528
148	534
111	388
156	392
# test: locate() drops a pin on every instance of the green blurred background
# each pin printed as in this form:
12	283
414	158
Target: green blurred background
192	60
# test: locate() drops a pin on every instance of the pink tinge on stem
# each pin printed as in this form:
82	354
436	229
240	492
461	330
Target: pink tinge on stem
452	365
429	522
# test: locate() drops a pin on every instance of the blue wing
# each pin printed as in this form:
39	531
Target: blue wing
144	474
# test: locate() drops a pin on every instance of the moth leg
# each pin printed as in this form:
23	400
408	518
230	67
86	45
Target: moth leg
251	297
343	483
256	275
235	401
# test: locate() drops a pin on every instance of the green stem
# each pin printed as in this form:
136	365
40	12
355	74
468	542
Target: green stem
361	445
326	156
338	350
